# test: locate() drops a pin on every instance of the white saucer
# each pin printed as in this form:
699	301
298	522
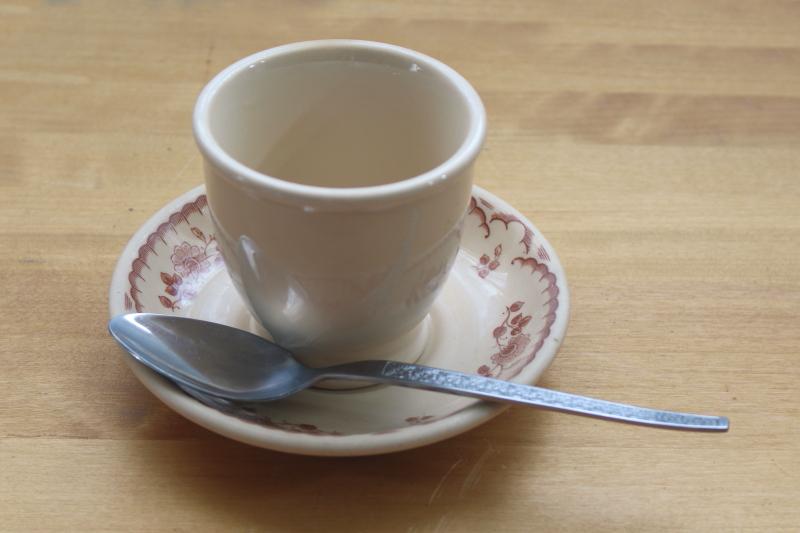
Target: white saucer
503	312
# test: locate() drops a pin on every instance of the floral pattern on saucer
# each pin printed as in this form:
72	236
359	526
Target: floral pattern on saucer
504	262
183	261
517	343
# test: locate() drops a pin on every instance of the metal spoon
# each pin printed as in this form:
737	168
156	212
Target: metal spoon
233	365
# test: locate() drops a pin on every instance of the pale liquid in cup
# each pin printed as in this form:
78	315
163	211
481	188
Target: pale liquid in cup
342	123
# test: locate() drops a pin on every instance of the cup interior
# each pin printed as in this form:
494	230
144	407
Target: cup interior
341	116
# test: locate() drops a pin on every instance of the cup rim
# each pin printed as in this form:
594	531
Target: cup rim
457	162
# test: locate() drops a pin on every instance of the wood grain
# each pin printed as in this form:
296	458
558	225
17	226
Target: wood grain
654	143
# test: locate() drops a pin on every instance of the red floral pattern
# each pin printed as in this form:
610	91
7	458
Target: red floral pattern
511	340
251	413
515	346
190	261
478	208
141	267
416	420
291	427
542	253
487	264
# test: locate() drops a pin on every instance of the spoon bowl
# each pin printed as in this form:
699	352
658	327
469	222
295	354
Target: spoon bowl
211	358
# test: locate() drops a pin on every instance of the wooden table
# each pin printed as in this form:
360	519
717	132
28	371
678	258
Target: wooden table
655	144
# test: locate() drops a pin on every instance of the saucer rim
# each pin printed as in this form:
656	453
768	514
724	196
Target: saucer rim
469	417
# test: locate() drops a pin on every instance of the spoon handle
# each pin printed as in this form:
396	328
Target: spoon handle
440	380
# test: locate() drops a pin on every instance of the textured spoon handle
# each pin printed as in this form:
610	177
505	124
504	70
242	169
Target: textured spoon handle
435	379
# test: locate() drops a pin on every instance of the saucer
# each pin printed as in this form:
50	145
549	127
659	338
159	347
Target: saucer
502	313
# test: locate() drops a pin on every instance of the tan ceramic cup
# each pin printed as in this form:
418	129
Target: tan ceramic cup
338	173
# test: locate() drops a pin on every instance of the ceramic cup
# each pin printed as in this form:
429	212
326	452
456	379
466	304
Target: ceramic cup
337	173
